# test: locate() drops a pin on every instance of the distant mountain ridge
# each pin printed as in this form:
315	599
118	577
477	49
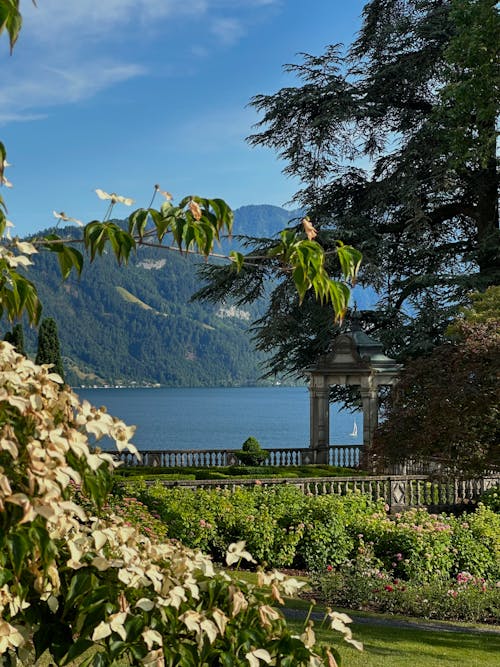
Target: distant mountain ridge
134	324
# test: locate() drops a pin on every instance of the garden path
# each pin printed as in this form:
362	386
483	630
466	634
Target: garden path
440	626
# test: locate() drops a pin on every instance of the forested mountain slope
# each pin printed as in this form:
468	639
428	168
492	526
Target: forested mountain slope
136	324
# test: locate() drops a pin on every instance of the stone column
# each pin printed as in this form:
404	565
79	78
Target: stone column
369	400
319	419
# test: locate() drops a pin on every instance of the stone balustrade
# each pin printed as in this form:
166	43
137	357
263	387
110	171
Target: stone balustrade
344	456
399	492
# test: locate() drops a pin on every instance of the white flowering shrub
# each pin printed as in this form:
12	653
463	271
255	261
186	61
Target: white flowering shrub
83	585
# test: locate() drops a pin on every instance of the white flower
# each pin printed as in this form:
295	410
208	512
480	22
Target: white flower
254	657
152	637
62	216
113	197
165	194
115	624
26	247
236	551
10	637
311	233
146	605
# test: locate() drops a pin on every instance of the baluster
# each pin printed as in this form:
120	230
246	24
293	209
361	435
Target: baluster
450	491
413	486
428	493
419	493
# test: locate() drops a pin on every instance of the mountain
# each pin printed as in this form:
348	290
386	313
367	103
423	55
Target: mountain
135	324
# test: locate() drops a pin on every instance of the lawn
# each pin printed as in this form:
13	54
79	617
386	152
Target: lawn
388	646
392	646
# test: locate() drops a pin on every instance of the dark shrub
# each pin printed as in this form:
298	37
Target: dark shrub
251	452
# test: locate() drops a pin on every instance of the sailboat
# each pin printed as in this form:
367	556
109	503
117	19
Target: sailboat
354	430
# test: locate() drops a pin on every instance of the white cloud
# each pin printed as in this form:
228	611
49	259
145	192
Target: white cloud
50	86
70	50
19	117
60	19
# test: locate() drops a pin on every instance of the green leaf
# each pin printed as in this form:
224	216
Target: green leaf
97	234
19	295
238	259
350	259
18	546
10	20
137	222
100	660
301	282
82	583
3	151
39	535
339	295
70	258
94	238
116	647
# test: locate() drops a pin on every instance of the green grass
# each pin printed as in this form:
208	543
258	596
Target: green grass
386	646
390	646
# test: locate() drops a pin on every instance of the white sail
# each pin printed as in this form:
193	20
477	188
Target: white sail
354	430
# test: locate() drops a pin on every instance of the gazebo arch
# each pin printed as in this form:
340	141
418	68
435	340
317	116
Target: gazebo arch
355	359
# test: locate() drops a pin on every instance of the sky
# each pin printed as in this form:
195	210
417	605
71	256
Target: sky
125	94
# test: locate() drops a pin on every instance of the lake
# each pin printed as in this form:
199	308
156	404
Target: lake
220	417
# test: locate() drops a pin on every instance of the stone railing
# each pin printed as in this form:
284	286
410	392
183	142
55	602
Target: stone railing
399	492
344	456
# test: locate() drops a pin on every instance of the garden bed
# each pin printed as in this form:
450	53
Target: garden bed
414	563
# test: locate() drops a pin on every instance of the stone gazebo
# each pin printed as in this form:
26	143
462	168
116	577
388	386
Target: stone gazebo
354	359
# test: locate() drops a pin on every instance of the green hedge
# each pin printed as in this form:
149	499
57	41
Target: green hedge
223	472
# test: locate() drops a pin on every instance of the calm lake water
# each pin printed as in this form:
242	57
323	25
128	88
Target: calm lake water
219	418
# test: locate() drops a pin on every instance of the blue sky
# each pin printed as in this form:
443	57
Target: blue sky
123	94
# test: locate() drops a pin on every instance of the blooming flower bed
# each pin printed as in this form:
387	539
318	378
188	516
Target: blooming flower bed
414	563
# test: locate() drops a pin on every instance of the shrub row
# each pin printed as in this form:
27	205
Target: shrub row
226	472
285	528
